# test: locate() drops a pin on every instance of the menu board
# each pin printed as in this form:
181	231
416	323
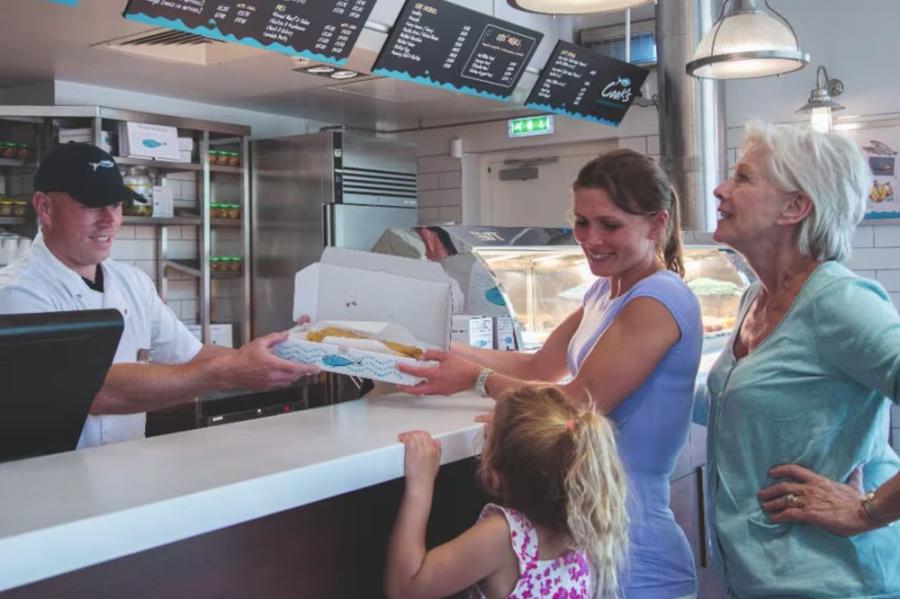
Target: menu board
579	83
322	30
441	44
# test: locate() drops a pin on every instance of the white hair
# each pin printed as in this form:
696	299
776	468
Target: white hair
827	167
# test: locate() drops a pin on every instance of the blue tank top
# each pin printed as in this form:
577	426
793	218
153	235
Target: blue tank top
652	426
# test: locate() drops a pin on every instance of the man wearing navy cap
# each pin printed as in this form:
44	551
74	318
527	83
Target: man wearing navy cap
78	199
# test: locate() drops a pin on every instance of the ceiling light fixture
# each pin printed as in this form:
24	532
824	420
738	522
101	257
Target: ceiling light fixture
344	74
319	69
750	39
574	7
820	104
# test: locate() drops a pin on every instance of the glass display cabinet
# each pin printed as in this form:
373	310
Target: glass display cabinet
540	275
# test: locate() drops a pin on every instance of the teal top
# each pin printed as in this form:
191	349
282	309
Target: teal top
812	393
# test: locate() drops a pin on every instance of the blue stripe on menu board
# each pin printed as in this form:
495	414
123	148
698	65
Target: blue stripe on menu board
216	34
66	2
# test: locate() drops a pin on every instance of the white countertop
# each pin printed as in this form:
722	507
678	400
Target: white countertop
68	511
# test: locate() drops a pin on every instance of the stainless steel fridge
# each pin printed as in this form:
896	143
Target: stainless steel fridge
331	188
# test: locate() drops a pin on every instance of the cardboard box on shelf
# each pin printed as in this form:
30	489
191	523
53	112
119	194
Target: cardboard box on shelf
85	135
219	334
144	140
371	290
163	201
477	331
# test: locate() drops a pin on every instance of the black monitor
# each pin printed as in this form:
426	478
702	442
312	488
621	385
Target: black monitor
52	365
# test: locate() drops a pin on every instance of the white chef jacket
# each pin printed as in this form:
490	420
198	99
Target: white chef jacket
39	282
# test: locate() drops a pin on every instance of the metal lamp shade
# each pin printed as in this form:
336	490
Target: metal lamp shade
748	41
574	7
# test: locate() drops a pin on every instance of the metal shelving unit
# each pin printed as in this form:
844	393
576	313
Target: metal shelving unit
43	122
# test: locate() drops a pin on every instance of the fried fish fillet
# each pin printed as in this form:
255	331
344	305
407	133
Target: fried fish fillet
407	350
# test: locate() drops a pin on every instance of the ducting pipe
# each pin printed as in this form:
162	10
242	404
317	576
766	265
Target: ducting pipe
691	112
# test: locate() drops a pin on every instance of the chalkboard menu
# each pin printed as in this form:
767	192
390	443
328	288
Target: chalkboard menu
323	30
445	45
579	83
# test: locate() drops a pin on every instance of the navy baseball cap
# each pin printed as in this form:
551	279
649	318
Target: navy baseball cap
86	173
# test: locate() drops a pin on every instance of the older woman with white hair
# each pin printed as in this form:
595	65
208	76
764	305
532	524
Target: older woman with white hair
799	397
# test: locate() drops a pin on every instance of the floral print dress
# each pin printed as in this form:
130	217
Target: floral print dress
565	577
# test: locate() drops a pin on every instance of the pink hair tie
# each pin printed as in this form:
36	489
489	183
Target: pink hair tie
570	424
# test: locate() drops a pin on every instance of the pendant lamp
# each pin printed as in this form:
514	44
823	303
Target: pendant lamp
750	39
574	7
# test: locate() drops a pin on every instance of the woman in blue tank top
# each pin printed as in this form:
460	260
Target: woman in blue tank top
633	349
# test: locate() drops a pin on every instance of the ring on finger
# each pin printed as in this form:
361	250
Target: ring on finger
790	499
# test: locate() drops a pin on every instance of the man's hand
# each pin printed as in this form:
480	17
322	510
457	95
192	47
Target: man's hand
255	367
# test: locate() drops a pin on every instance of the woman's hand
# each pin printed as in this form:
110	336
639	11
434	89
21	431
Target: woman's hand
423	458
816	500
452	374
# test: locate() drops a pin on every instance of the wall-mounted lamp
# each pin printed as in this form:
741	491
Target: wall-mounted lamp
750	39
574	7
820	104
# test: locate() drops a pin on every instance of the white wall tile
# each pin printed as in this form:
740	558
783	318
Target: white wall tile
653	144
182	290
733	137
125	232
438	164
145	232
176	307
895	297
864	237
148	266
189	309
189	232
429	216
890	279
887	236
429	181
182	249
451	214
450	180
134	249
440	197
638	144
874	258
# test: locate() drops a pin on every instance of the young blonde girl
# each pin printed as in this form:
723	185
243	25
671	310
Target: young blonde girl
561	529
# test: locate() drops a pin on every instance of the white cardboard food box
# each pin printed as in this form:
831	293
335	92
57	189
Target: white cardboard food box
354	286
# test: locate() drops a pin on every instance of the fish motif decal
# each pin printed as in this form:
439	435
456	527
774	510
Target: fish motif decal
336	361
152	143
494	296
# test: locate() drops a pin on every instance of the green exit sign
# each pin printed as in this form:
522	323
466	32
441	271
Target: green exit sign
531	125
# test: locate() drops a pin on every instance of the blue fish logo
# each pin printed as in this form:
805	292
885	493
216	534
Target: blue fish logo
494	296
507	340
336	361
152	143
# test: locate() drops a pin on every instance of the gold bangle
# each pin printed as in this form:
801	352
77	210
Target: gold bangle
868	504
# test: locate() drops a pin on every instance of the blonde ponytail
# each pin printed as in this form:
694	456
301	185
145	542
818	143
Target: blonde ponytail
596	488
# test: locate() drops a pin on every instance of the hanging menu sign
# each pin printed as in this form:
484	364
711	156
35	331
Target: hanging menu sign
441	44
579	83
322	30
